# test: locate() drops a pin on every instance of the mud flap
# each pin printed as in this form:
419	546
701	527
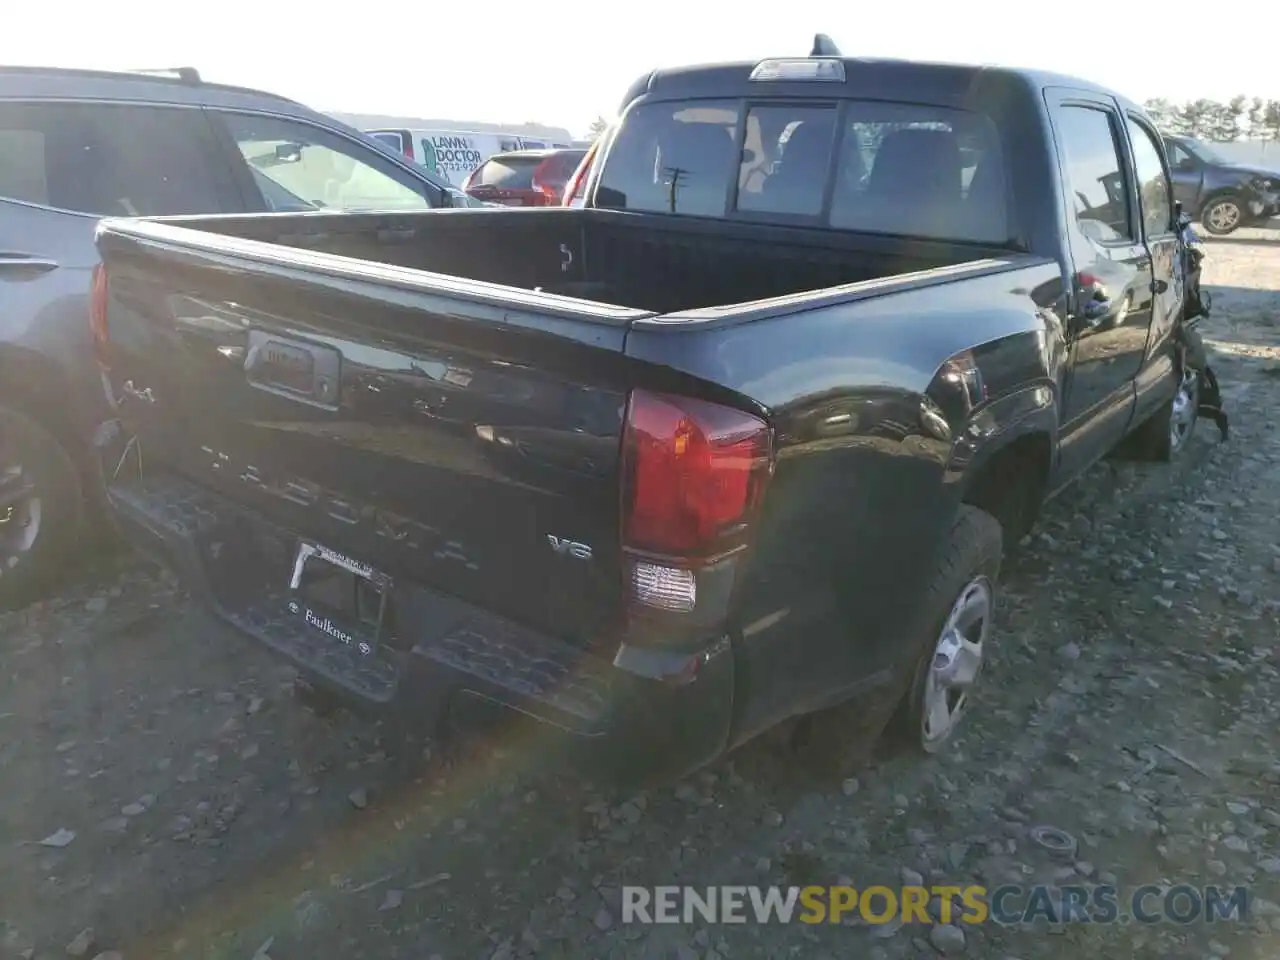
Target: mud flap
1192	355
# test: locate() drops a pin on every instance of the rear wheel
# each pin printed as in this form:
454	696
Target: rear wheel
40	507
954	634
1222	215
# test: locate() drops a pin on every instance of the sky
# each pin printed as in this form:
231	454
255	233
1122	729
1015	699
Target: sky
565	62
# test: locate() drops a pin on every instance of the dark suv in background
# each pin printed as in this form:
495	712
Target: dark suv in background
1221	194
524	178
76	145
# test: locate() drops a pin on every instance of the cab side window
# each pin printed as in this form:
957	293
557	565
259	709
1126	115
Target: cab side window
1154	193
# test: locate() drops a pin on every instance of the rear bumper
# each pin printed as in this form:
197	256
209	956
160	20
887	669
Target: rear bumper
619	723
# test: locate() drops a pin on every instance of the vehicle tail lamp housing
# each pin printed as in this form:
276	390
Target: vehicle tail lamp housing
694	477
549	195
98	293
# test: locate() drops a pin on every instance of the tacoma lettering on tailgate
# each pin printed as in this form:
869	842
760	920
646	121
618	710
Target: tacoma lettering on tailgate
392	526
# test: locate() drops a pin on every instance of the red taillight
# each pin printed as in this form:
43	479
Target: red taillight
695	475
543	183
98	313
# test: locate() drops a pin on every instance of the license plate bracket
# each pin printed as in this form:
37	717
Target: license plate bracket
344	598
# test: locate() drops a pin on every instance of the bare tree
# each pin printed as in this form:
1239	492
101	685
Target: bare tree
1197	117
1225	119
1271	120
1257	111
1164	113
1205	119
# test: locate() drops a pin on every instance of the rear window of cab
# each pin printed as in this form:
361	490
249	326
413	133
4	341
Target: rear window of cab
868	166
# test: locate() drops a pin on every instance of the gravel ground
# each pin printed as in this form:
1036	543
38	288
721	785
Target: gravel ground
190	807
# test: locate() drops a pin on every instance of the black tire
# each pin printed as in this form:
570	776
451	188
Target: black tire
30	560
1157	440
1222	215
972	555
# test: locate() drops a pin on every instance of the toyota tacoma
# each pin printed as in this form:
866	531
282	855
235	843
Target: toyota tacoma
745	436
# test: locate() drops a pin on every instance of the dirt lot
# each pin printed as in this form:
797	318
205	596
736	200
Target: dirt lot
1133	703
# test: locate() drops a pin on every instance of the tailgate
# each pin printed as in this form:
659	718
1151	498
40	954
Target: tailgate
460	435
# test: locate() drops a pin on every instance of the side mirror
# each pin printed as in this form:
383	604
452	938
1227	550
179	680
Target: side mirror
1186	163
289	152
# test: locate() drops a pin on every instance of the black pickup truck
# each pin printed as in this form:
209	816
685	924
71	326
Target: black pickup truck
744	437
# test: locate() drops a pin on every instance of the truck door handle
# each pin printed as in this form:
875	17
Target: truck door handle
24	263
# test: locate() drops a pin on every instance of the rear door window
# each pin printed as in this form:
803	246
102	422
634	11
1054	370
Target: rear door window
1098	192
113	159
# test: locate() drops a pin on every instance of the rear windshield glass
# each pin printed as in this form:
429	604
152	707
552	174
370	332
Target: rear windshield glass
906	169
507	173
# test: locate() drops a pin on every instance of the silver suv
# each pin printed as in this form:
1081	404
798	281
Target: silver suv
76	145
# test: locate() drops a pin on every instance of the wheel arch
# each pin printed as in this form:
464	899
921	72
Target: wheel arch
38	388
1010	480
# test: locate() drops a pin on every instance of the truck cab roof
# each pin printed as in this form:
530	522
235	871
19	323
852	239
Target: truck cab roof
870	78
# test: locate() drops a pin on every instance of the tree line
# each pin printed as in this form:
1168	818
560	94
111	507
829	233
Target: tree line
1240	118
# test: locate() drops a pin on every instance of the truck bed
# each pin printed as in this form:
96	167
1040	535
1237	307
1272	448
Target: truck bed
654	263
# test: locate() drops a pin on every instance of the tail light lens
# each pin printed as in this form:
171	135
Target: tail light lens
695	475
543	183
98	291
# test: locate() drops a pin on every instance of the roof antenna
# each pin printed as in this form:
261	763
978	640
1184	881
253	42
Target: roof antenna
824	46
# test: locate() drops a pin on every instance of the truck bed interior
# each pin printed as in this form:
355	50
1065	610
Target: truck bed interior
653	262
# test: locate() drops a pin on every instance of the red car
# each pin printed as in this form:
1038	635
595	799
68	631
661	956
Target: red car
524	178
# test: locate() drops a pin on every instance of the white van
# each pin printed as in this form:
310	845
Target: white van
453	154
